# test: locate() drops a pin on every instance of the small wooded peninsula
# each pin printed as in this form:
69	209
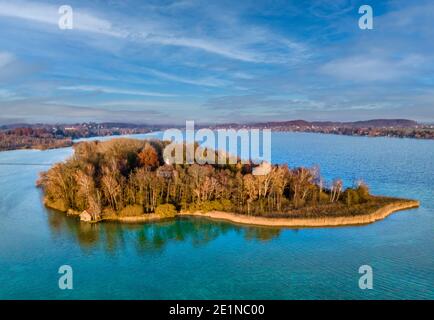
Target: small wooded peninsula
128	180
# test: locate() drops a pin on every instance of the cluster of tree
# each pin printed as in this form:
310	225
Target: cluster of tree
13	142
398	128
130	177
30	132
45	136
415	133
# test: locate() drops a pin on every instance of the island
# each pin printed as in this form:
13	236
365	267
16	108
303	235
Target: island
128	180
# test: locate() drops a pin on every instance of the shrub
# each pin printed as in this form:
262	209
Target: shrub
108	212
211	206
131	211
351	197
166	210
226	205
363	192
324	197
191	207
57	204
215	205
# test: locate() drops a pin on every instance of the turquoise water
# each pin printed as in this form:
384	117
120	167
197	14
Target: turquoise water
202	259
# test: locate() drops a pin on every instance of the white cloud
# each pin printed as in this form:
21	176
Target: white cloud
205	45
83	21
100	89
6	94
5	59
370	68
207	82
245	43
40	111
48	14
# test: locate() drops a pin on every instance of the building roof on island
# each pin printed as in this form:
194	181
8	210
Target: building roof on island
263	169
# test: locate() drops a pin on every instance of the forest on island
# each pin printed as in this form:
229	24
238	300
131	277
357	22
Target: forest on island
128	177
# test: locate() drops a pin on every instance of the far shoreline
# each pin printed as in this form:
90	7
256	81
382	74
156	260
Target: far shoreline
133	136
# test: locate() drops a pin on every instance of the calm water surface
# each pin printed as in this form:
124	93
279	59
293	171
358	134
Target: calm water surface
201	259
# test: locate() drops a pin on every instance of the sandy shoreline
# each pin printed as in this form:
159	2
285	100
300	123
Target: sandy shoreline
308	222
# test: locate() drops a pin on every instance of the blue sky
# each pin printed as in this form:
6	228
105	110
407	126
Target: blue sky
215	61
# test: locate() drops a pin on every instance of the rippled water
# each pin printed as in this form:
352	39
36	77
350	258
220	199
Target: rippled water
201	259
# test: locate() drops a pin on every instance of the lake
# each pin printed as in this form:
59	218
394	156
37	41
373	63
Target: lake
196	258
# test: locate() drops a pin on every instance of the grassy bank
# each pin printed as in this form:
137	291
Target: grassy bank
375	213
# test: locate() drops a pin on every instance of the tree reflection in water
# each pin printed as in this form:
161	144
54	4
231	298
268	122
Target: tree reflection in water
151	237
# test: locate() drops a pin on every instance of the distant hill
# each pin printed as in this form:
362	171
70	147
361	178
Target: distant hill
375	123
403	123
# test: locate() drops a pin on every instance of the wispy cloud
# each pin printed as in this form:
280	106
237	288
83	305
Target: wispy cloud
372	68
48	14
40	111
205	45
99	89
162	33
7	95
208	82
5	59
